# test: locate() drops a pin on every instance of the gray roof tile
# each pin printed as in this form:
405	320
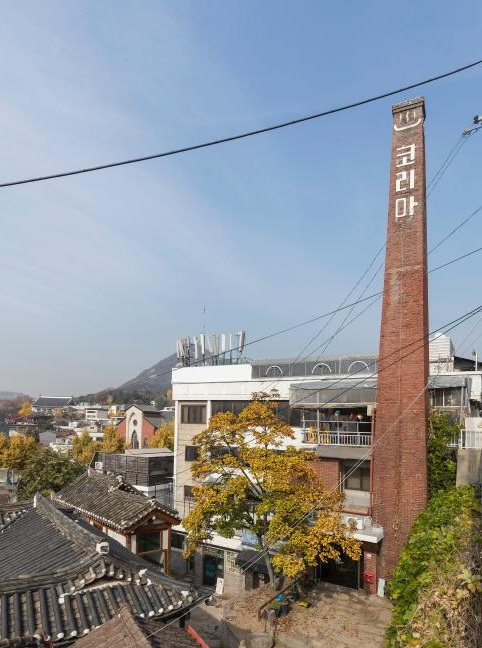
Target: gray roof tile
110	500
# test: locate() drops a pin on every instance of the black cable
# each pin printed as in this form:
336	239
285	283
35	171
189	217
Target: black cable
424	339
464	222
239	136
134	383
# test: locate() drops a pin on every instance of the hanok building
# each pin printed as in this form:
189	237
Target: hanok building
141	524
150	470
48	403
60	578
126	630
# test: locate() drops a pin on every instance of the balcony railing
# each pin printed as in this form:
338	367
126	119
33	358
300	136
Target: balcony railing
359	437
467	439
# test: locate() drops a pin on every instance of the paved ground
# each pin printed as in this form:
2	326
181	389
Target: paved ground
338	618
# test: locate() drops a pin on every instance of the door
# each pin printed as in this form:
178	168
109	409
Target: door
209	570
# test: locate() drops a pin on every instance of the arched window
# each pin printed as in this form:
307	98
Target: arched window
134	440
363	365
321	367
274	370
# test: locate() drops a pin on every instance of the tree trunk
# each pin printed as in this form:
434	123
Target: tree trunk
267	557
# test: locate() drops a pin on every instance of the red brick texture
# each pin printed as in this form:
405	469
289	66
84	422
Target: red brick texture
370	559
399	461
328	470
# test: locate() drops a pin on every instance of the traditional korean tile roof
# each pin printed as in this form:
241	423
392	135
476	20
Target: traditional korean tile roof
10	512
110	500
53	401
62	578
126	631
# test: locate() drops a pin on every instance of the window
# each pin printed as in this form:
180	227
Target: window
188	492
357	478
193	414
228	406
149	546
178	541
190	453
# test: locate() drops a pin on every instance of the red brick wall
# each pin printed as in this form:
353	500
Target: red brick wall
121	429
370	559
399	460
328	470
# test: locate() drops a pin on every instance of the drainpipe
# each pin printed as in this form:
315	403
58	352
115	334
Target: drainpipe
374	417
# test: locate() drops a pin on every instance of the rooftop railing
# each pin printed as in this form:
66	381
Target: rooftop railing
467	439
348	433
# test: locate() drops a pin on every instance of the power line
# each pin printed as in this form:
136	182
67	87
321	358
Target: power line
451	325
447	327
232	138
301	324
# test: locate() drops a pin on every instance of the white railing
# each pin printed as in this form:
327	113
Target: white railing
362	439
467	439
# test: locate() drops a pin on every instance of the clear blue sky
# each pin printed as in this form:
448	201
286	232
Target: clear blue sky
102	272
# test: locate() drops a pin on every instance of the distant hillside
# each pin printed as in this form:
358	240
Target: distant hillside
156	378
9	395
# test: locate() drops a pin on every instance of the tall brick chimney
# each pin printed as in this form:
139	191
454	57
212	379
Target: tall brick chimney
399	459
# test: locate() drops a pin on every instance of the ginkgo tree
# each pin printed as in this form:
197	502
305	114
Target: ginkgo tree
244	480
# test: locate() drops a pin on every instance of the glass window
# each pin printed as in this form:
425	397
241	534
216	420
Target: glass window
193	414
177	540
190	453
357	477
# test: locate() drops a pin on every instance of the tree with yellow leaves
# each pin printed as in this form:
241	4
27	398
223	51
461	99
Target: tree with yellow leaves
26	409
84	448
164	437
245	481
111	441
17	451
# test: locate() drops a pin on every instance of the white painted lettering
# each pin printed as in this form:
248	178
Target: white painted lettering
405	155
405	180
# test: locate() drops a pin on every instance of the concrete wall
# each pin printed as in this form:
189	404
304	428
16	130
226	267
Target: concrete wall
469	466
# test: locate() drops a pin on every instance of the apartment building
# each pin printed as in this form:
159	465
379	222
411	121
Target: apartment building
329	403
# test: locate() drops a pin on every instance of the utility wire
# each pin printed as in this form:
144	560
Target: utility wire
451	325
295	326
303	517
246	134
375	363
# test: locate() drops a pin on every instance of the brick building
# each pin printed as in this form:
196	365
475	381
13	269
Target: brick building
140	425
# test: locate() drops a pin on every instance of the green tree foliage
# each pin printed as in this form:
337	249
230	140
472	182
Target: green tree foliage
164	437
47	471
435	577
17	450
268	492
84	448
442	459
111	441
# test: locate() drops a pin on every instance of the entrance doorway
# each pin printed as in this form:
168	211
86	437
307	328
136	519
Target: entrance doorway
209	570
343	571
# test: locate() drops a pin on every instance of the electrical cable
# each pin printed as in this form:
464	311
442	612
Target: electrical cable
424	339
301	519
246	134
453	324
295	326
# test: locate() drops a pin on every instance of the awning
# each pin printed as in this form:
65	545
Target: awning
252	561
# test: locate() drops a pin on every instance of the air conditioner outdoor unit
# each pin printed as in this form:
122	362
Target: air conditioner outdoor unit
354	523
99	465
